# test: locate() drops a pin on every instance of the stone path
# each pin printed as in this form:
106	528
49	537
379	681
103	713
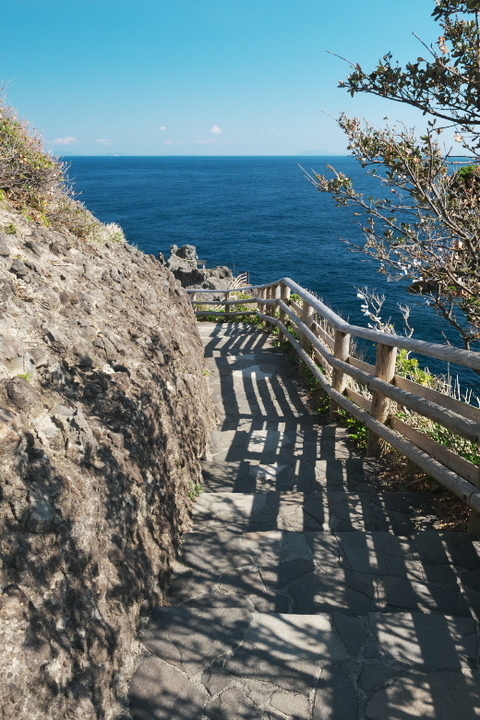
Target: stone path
303	593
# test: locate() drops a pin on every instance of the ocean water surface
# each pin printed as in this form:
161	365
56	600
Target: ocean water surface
253	213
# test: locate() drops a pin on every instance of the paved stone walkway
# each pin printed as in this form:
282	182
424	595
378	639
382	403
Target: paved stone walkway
303	593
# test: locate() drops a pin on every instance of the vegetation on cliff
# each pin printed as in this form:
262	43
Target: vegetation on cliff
36	184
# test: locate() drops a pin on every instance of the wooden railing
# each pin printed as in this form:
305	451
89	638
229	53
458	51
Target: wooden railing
323	341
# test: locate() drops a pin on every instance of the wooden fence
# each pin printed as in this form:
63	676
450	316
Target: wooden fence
323	341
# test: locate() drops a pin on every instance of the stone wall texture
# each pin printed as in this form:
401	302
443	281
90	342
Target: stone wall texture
104	415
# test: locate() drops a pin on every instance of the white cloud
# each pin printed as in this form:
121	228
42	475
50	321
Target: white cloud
216	130
162	128
105	141
168	142
65	141
210	141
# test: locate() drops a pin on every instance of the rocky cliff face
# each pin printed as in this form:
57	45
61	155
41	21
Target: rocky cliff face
104	413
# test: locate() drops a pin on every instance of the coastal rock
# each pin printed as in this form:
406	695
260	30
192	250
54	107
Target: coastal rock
104	417
4	249
19	268
183	262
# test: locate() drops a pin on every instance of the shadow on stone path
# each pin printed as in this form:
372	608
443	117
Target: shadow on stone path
303	593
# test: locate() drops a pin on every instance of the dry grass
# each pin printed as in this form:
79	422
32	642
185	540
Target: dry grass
35	183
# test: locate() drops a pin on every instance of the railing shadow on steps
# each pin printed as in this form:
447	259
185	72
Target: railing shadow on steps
324	345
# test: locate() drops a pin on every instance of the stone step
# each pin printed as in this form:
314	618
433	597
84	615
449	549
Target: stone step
322	510
245	472
314	572
233	339
287	442
256	385
231	664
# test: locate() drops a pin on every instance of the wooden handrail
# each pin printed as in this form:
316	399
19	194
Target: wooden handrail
453	481
467	358
325	335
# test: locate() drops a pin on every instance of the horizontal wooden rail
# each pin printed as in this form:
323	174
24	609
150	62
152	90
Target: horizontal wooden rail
454	482
440	352
230	314
324	338
457	423
248	288
229	302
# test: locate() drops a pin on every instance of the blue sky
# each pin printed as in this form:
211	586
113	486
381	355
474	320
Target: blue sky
191	77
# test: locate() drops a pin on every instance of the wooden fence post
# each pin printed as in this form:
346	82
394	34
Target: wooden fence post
261	294
307	316
341	351
474	523
277	295
227	307
385	370
285	296
269	293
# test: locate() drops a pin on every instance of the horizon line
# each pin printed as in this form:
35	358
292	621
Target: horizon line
202	156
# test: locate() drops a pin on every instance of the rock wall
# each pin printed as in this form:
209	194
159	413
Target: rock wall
104	414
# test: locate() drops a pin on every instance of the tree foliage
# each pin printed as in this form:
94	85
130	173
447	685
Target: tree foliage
425	223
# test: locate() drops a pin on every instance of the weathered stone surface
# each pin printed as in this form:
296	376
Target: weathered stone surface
12	351
10	433
335	697
193	638
160	691
215	680
19	268
432	641
286	650
4	248
232	703
436	695
21	393
374	677
98	458
353	631
296	707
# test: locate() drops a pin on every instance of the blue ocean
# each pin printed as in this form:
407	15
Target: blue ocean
253	213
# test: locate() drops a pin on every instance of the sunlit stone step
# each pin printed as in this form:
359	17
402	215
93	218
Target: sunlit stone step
321	510
351	572
237	665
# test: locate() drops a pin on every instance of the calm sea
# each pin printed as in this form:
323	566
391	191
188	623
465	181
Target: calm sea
251	213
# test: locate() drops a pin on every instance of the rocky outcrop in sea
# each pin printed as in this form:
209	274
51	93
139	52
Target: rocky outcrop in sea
185	265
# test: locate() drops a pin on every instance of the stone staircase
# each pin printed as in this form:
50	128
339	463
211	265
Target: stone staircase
303	592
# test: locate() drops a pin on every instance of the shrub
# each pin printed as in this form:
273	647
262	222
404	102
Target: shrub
64	212
35	183
28	174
